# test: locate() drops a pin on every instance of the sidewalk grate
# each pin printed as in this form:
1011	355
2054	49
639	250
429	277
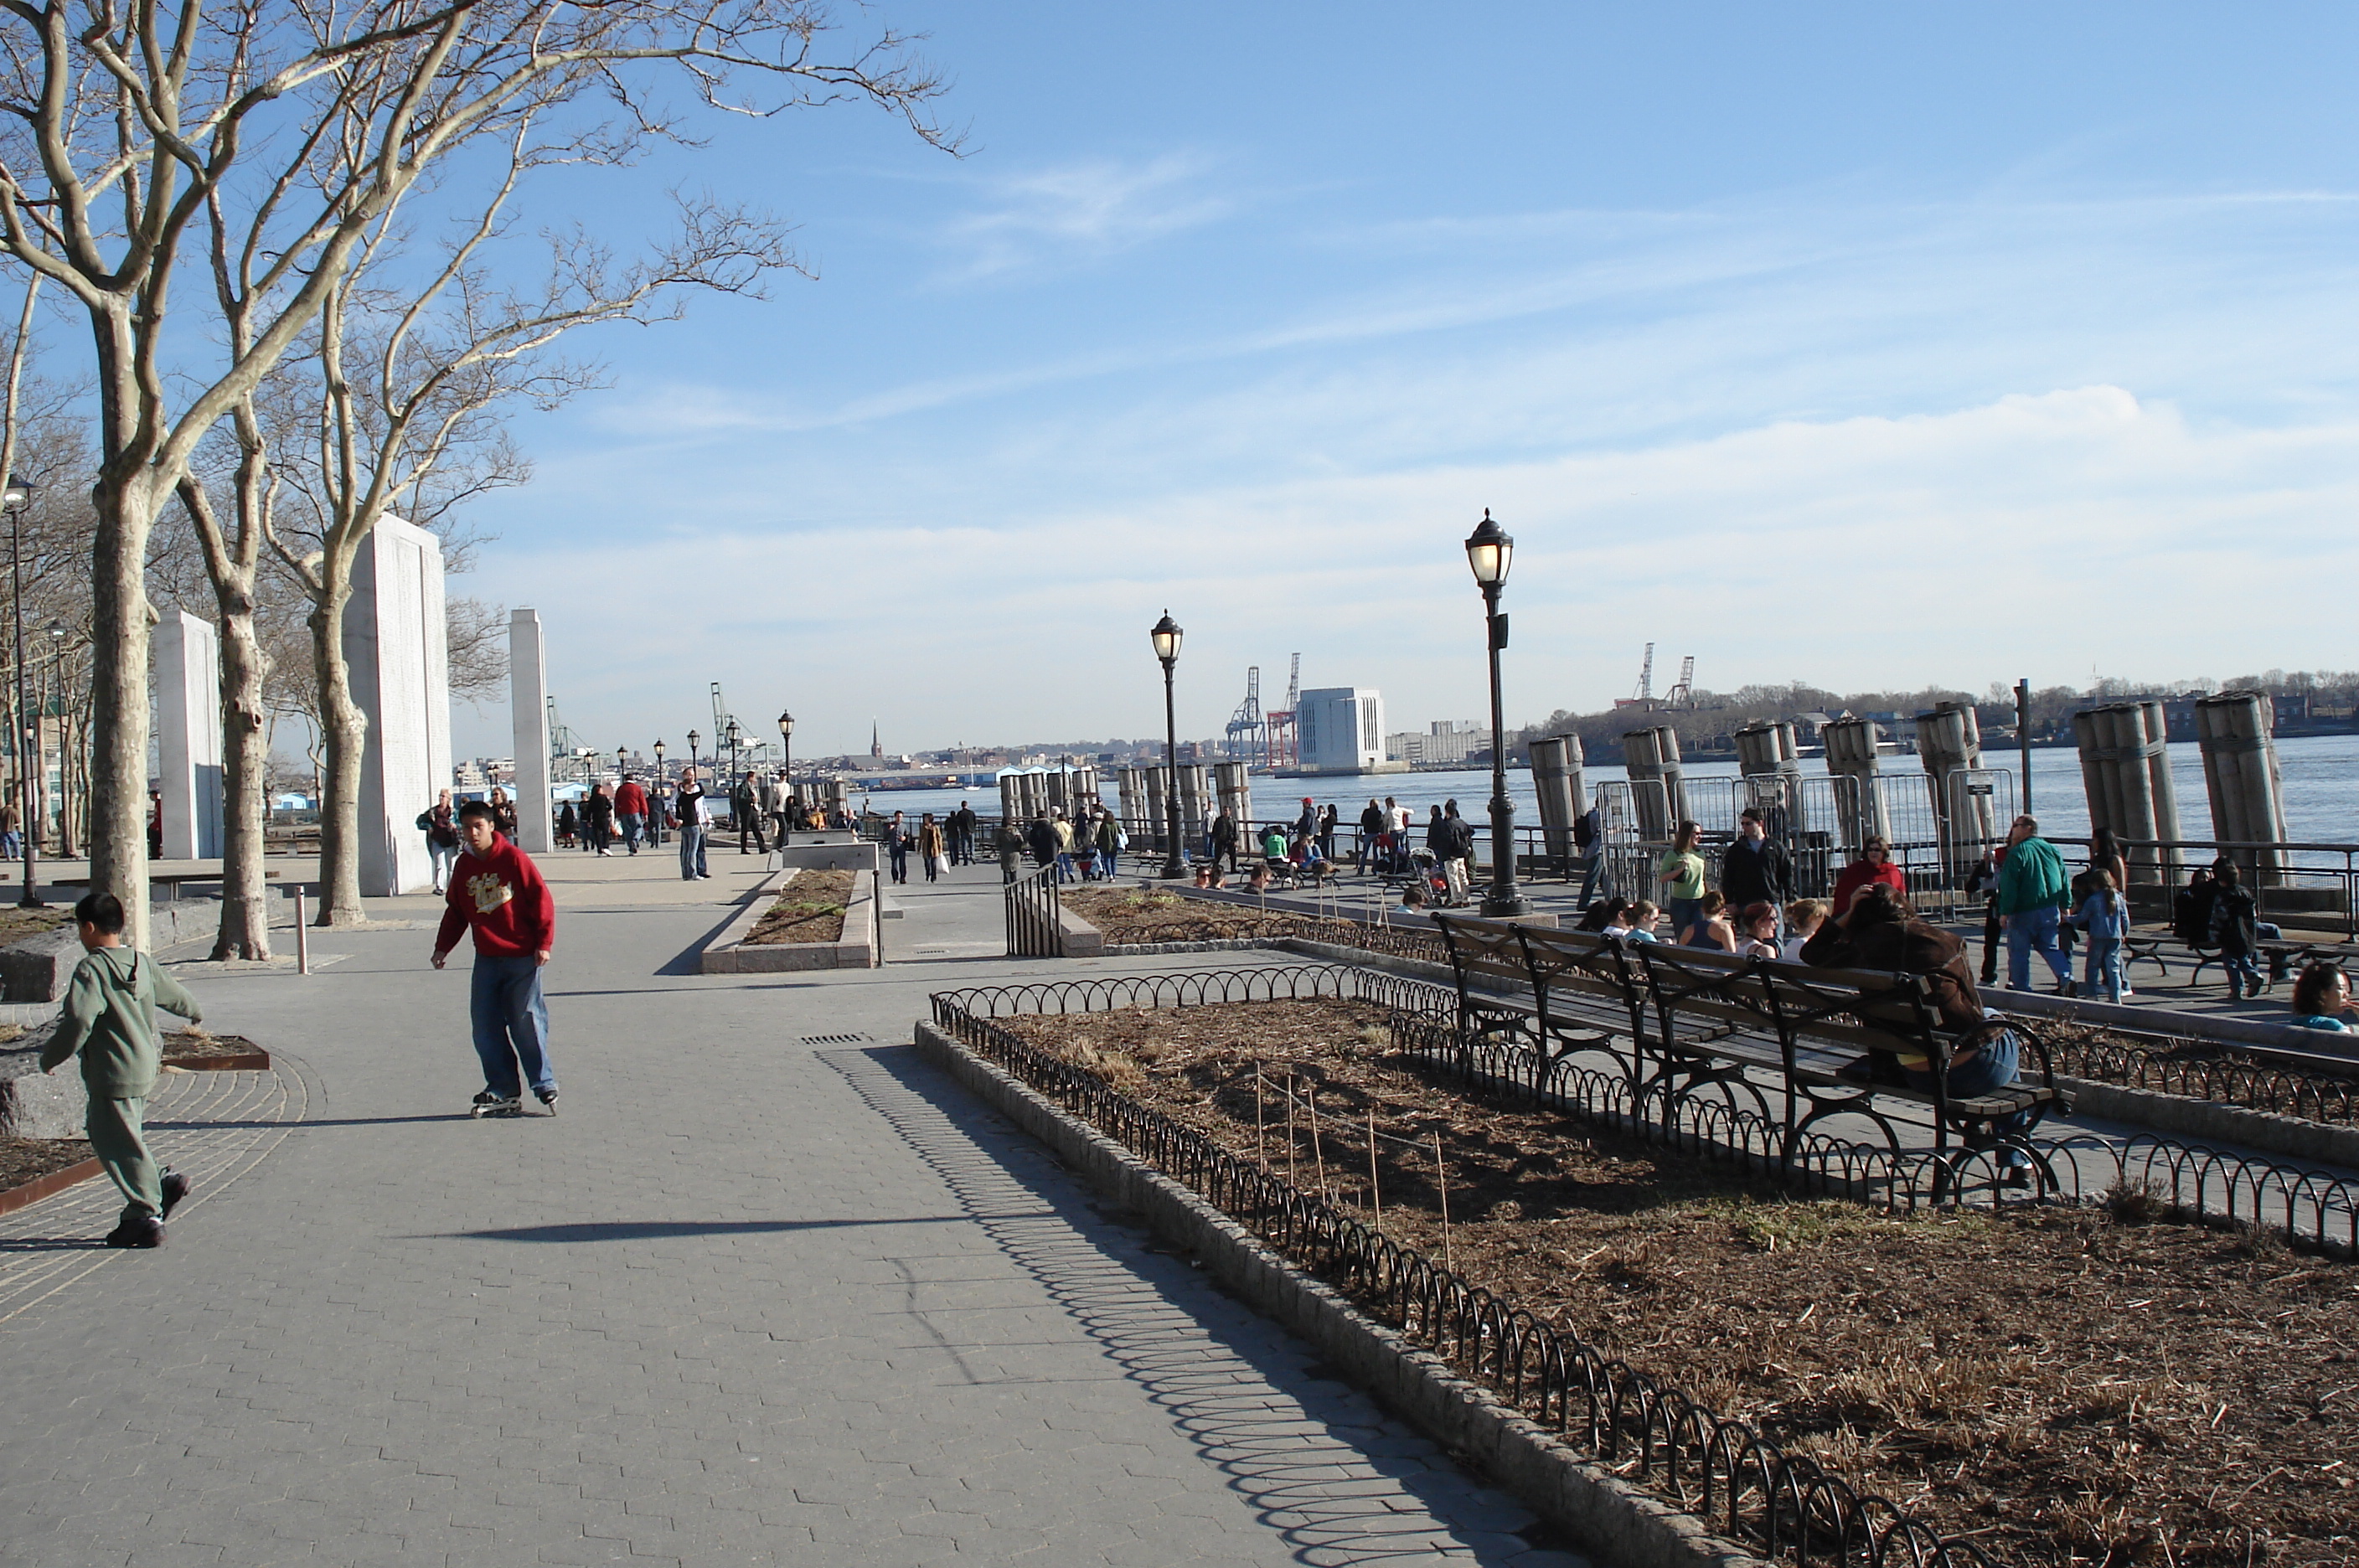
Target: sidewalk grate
837	1038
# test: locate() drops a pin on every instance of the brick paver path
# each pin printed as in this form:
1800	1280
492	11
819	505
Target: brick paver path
768	1291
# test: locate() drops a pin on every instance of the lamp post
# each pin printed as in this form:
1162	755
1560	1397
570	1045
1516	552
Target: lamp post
15	498
786	802
1165	637
691	748
655	806
1489	548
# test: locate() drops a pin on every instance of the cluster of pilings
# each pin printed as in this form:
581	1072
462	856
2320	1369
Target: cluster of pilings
1556	778
2241	775
1860	812
2127	775
1658	789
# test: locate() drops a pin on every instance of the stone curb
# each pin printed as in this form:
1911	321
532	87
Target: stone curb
1613	1521
730	954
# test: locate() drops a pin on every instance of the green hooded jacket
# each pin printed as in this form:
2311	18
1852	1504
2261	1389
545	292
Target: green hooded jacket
109	1017
2032	877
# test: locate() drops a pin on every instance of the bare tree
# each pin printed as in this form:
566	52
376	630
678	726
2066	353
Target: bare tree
122	125
478	637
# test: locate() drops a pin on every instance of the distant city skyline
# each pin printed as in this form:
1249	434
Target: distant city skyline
1827	345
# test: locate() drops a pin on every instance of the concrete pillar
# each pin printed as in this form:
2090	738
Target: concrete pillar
1083	785
188	736
396	643
1556	778
1950	742
1130	790
528	724
1195	790
2126	774
1158	810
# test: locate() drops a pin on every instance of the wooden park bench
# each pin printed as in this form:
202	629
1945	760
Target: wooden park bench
1777	1039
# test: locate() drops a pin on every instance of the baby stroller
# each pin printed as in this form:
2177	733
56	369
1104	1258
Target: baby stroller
1425	867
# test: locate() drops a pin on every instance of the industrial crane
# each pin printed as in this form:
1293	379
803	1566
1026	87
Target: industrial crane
1646	697
1247	722
1285	747
1683	694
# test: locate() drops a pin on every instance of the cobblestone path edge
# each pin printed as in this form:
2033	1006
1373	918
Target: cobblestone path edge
1610	1520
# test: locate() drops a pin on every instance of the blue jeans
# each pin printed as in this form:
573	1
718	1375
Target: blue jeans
2242	966
1105	864
2033	929
900	857
511	1019
1683	913
1993	1067
1064	866
632	822
691	851
1592	863
2105	967
444	856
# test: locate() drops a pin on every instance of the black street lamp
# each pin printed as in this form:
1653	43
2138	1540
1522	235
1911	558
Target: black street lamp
787	765
655	806
691	748
1165	637
622	760
15	498
1489	548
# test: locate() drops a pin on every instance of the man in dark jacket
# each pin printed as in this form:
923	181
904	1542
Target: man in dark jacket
1042	838
1225	840
1756	871
1456	850
1372	827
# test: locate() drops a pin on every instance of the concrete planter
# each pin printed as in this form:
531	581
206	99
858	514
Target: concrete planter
37	969
861	947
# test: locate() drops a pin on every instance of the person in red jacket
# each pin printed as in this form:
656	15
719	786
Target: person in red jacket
631	811
1873	867
497	891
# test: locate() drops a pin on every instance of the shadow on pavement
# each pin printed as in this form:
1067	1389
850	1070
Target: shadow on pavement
640	1230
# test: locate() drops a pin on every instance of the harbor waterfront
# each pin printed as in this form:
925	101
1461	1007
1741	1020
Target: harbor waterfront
2321	788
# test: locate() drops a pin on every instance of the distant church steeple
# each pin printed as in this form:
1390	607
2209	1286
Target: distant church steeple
876	742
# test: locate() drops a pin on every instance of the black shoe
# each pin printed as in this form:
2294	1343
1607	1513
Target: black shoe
2066	988
547	1099
2015	1176
498	1106
145	1232
176	1187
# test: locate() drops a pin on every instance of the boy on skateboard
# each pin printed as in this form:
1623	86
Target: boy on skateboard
496	890
109	1017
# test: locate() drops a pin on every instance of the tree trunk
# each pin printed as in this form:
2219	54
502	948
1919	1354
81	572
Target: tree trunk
345	733
118	806
245	748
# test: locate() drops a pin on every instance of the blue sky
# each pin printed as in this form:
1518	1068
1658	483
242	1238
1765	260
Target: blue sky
1863	346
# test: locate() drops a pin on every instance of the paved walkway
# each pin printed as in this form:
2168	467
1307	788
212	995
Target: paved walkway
768	1291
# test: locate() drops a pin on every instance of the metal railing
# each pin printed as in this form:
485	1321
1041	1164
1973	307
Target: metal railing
1035	927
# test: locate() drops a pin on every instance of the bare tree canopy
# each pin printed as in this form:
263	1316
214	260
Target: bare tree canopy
297	133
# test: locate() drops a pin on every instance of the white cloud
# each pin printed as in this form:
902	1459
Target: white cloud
1083	210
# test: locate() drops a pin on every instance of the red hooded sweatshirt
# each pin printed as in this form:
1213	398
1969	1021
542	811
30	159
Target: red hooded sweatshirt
630	801
503	895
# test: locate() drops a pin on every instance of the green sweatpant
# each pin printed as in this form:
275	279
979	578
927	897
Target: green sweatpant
118	1138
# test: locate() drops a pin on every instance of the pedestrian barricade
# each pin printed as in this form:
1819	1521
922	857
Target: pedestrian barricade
1779	1041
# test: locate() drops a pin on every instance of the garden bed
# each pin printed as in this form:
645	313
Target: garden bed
1132	917
810	910
33	1167
17	924
196	1051
2057	1385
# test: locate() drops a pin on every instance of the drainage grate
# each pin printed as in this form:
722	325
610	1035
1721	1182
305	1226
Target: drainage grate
835	1039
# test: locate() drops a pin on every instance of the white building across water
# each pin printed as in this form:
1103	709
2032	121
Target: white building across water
1341	730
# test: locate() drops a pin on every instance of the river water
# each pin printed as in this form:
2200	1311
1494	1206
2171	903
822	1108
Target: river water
2321	790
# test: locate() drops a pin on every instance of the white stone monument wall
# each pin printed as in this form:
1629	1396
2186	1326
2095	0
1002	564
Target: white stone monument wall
397	642
188	736
529	708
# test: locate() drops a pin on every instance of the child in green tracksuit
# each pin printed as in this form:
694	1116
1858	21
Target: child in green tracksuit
109	1017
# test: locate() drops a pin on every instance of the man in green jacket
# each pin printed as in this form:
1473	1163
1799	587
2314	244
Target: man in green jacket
109	1017
2033	893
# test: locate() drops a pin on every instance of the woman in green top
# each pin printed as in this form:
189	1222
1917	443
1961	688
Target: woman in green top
1679	875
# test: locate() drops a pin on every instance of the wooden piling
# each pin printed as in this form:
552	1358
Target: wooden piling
1234	782
1556	778
1949	745
2127	775
1158	811
1195	789
2241	775
1861	814
1658	790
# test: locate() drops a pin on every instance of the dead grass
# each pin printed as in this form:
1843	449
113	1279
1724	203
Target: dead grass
1134	916
24	1160
2067	1385
812	910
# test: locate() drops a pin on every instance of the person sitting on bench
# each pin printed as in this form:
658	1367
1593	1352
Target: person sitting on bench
1257	879
2321	999
1880	931
1600	917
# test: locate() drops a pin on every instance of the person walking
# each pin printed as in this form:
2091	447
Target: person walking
1041	838
1009	844
569	826
1459	835
773	803
1678	876
12	839
932	847
2105	917
744	806
1062	832
2033	893
1755	870
441	825
631	811
601	818
1109	835
499	894
109	1016
503	813
688	812
896	846
1589	837
1373	823
1225	840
